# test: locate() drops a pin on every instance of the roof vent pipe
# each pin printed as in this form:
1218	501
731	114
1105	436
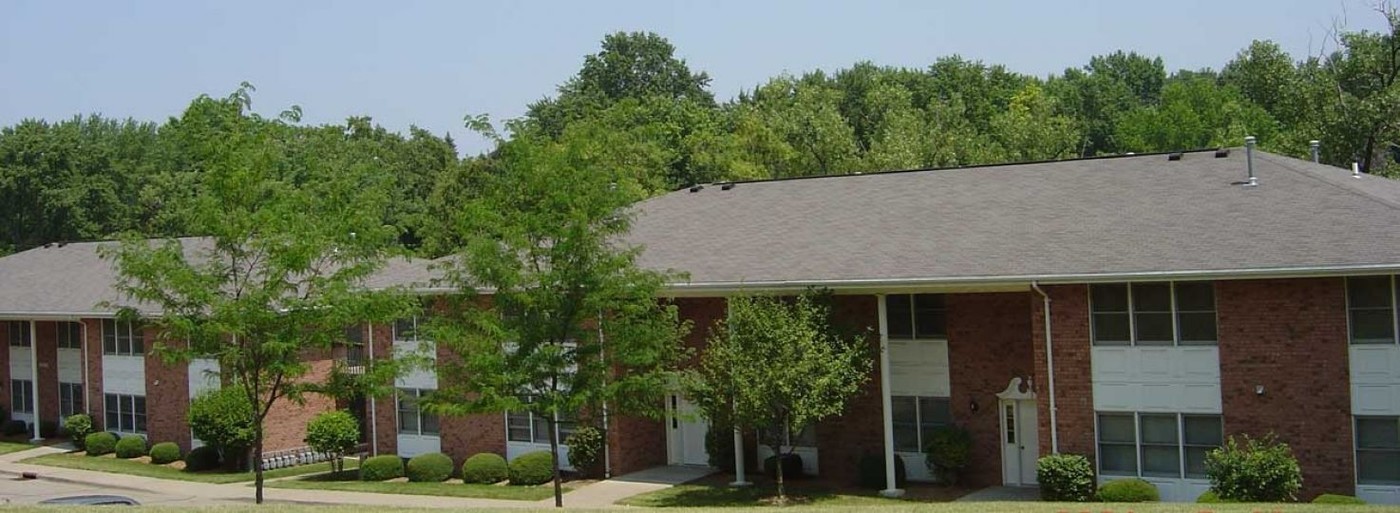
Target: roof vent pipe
1249	160
1355	170
1316	146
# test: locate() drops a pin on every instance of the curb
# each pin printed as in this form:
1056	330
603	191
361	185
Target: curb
44	477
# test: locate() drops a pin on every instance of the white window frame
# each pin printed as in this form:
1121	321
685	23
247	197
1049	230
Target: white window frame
1357	449
70	335
71	399
126	407
401	404
559	428
1394	313
919	420
1176	312
133	333
1181	444
18	337
23	390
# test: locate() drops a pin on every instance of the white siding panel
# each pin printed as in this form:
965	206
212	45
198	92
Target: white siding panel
413	445
20	366
1376	494
1157	379
123	375
70	365
919	368
1375	379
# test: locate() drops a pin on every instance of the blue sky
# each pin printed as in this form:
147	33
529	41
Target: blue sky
431	62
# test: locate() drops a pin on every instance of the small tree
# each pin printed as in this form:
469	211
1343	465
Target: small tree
223	419
776	365
335	433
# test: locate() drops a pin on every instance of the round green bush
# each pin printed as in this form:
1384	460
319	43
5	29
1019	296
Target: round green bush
202	458
433	467
335	432
1333	498
78	427
1065	478
99	443
131	446
223	418
165	452
532	468
792	466
1255	470
485	468
1128	490
871	472
947	452
586	449
381	468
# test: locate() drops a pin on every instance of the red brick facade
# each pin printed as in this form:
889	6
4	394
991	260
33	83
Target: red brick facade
1074	394
47	352
167	399
92	335
385	409
1290	337
987	346
285	427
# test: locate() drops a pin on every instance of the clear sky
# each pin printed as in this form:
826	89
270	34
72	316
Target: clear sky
428	63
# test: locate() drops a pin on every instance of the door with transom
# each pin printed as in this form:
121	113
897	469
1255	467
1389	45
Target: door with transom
1016	408
685	433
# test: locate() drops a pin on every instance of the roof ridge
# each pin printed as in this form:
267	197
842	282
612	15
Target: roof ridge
1281	161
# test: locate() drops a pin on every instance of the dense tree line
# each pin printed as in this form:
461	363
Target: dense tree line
634	106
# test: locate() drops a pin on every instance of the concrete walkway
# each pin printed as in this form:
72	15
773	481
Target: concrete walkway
1002	494
601	494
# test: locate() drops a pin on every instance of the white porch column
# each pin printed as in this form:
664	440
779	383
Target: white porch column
739	478
34	372
891	487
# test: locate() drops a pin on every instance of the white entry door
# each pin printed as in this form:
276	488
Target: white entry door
685	433
1020	442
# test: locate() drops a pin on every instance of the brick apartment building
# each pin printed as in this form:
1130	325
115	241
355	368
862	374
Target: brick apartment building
1135	309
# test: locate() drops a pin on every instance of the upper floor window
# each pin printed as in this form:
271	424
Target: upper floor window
18	333
122	338
1371	309
1153	314
916	316
355	335
70	335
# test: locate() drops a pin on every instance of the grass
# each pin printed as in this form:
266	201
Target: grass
714	491
888	507
81	461
9	447
348	481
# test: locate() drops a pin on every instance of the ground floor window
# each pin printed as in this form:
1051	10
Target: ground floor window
21	396
125	413
1170	445
805	437
70	399
534	428
1378	450
412	419
915	418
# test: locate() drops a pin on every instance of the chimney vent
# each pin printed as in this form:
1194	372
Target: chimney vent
1249	160
1316	146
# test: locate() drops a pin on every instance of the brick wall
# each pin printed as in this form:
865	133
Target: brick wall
167	398
92	330
47	351
987	346
1069	323
386	423
842	440
635	443
464	436
1290	336
285	425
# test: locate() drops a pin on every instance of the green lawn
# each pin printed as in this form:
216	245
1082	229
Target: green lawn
9	447
889	507
349	482
700	495
81	461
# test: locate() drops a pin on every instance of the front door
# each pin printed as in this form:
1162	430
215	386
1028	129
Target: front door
686	433
1020	445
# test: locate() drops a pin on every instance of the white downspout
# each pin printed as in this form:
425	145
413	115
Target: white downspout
34	369
1049	370
891	485
87	385
373	420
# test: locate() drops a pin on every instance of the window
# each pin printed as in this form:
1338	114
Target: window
806	437
70	399
355	335
915	418
1378	450
412	419
70	335
406	329
125	413
534	428
1157	444
122	338
1371	309
916	316
18	333
22	396
1153	314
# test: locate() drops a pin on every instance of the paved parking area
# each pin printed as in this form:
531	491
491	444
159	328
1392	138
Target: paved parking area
15	490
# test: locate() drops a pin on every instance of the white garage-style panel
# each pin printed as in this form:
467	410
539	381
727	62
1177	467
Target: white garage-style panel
1375	379
70	365
919	368
1183	379
123	375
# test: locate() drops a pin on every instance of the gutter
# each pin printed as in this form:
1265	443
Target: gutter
1049	370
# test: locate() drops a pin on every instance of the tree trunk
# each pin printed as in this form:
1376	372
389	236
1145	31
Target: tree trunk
778	462
258	466
554	459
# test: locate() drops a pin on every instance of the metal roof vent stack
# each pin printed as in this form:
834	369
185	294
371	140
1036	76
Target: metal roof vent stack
1355	170
1316	146
1249	161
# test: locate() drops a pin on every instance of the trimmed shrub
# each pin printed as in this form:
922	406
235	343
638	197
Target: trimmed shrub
1065	478
433	467
165	452
97	444
78	427
871	472
202	458
1333	498
224	419
131	446
532	468
792	466
948	451
485	468
1129	490
381	468
14	427
719	443
336	432
1209	497
1257	470
586	449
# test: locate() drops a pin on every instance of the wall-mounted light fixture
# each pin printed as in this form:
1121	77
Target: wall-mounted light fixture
1258	389
972	405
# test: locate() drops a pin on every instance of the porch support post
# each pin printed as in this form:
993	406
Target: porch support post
34	371
887	415
739	478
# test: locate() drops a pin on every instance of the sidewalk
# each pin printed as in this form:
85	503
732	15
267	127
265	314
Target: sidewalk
597	495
